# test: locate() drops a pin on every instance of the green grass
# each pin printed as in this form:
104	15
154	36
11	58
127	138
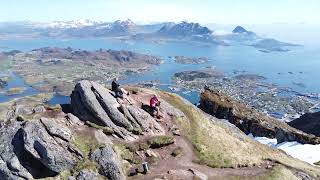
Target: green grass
177	152
317	163
136	131
127	154
278	172
207	154
105	130
218	145
160	141
87	143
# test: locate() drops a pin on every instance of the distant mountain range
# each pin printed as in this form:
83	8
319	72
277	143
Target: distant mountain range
184	31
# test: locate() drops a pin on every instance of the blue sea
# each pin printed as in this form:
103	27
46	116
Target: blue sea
286	69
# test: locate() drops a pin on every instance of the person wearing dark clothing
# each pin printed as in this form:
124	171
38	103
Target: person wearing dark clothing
115	87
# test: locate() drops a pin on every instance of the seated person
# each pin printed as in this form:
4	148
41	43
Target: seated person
118	92
154	104
115	87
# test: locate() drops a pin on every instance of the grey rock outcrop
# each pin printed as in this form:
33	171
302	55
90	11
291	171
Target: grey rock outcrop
93	102
56	130
309	123
73	120
47	143
86	175
109	162
35	149
251	121
146	122
10	167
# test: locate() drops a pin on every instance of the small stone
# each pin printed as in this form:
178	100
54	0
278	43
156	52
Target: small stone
198	174
20	118
176	132
150	153
87	175
39	109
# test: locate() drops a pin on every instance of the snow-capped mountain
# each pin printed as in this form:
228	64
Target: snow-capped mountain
71	24
184	29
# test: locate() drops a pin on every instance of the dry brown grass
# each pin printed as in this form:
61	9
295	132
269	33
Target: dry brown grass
219	146
279	172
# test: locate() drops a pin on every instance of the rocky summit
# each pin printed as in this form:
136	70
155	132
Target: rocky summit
251	121
184	29
240	29
92	102
99	136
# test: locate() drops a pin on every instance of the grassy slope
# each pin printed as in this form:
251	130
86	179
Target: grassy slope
217	145
278	172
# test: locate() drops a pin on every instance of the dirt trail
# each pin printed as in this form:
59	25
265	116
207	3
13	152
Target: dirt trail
187	161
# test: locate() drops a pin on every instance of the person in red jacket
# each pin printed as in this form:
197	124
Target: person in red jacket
154	104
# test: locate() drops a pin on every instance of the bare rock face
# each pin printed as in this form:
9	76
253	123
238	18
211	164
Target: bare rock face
309	123
109	162
251	121
92	102
10	166
36	149
48	143
85	175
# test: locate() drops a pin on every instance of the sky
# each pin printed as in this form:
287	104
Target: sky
203	11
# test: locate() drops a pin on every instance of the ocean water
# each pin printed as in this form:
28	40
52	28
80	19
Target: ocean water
298	69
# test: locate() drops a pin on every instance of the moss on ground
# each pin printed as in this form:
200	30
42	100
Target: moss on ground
136	131
127	154
87	143
86	163
160	141
177	152
105	130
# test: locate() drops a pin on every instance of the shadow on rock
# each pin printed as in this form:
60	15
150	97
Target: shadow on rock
35	167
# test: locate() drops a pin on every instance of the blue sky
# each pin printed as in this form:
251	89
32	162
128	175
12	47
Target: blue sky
205	11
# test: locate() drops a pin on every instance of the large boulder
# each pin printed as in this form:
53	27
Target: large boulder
109	162
89	104
147	123
251	121
10	166
35	149
93	102
48	143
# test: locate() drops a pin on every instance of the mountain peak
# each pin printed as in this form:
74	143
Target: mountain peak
184	28
126	23
240	29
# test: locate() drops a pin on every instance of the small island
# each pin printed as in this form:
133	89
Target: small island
190	60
